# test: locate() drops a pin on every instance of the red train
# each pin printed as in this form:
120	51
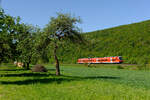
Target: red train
115	59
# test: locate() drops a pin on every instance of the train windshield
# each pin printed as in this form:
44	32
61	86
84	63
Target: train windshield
120	58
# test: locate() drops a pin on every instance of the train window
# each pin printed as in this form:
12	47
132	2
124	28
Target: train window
113	59
120	58
100	59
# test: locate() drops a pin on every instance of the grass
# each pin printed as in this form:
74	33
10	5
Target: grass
75	83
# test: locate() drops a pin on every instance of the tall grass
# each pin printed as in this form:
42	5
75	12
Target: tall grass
75	83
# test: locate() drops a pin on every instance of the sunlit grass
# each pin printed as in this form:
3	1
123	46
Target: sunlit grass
75	83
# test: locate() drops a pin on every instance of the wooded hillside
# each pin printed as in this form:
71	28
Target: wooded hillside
130	41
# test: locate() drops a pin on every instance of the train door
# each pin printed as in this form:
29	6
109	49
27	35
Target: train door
111	60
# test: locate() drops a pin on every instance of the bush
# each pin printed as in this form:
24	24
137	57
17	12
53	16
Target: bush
86	64
120	67
141	66
39	68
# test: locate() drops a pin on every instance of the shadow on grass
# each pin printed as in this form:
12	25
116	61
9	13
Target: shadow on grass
23	70
93	77
26	75
58	80
12	69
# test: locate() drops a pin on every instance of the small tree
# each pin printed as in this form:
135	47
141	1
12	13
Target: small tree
26	44
59	29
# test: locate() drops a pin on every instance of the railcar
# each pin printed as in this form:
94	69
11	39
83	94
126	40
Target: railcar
113	60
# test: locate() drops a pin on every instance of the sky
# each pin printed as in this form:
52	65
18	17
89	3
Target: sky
95	14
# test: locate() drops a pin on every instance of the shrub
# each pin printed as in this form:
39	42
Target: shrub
120	67
39	68
142	64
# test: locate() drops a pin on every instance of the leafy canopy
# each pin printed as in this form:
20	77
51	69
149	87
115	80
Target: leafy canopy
63	27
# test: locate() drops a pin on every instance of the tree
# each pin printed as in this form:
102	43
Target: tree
59	30
8	30
26	44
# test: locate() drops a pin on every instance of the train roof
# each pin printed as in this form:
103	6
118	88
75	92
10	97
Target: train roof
100	57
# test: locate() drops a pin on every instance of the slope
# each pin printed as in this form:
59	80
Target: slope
130	41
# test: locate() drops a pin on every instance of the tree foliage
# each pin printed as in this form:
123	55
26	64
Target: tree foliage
60	30
8	31
27	44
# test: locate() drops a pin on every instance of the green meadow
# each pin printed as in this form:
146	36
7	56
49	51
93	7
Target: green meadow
77	82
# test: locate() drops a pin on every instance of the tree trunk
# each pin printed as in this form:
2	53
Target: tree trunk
28	66
24	65
57	61
28	63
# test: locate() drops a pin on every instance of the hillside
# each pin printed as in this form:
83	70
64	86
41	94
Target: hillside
130	41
